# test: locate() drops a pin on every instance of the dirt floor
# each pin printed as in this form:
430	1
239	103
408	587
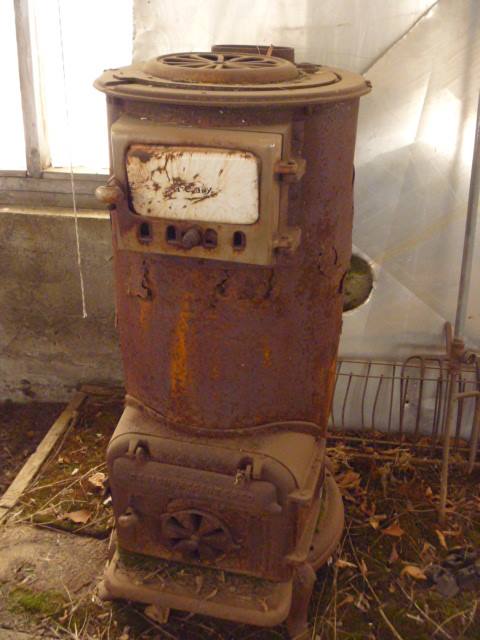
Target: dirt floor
22	426
377	587
68	494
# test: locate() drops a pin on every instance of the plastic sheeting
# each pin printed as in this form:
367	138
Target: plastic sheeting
414	146
344	33
414	153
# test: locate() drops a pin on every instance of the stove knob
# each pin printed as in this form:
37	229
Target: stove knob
191	238
128	519
110	193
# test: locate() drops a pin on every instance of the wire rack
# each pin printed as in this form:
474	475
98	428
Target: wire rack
406	398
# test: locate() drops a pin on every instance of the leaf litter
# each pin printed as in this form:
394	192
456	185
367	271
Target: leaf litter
69	492
377	586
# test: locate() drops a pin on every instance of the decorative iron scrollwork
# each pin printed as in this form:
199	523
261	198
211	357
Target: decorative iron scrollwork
197	535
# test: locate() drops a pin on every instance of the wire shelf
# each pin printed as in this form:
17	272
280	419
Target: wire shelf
402	398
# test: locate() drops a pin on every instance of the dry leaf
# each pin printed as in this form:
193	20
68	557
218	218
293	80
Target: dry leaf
394	530
363	567
347	600
348	480
97	480
374	521
264	604
428	492
414	572
343	564
78	517
75	471
393	555
453	532
441	539
362	603
159	615
198	584
392	452
364	508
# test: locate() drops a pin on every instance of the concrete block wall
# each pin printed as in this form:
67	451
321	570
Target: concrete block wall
46	347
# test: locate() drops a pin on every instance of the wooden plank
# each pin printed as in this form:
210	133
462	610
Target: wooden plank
11	634
38	457
102	389
49	199
13	173
83	185
37	151
56	173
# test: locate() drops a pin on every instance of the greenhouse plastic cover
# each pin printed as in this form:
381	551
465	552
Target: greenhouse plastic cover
415	138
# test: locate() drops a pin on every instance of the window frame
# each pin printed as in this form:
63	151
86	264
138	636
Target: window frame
41	184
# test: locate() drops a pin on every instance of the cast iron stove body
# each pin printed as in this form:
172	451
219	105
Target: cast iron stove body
231	207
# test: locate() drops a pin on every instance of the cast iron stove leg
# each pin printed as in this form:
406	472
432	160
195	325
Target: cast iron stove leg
297	621
103	593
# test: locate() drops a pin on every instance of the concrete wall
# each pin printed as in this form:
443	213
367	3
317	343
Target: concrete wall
46	346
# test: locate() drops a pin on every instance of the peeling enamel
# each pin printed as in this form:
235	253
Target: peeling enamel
194	183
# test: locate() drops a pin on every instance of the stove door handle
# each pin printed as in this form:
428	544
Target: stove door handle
111	193
128	519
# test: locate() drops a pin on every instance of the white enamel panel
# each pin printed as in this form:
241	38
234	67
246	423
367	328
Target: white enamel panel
194	183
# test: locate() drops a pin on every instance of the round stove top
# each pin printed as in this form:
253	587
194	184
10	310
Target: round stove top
231	79
221	68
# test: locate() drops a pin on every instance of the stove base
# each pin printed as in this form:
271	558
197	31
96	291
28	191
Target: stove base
332	519
228	595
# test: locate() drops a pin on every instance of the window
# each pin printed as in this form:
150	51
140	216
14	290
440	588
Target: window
62	47
12	155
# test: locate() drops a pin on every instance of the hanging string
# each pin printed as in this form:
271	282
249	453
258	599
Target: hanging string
72	177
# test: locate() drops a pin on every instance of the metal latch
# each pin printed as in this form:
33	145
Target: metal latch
111	193
291	170
287	240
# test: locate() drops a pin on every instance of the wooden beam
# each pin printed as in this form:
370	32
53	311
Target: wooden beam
38	457
36	143
83	186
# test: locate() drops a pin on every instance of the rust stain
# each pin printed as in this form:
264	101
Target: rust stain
199	191
327	381
140	153
180	350
145	315
267	355
138	284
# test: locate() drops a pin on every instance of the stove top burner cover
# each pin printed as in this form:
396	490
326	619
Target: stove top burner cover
221	68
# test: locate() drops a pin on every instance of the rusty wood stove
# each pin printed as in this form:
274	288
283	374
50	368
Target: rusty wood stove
231	207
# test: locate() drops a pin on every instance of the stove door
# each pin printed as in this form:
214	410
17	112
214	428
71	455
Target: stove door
219	194
198	516
201	184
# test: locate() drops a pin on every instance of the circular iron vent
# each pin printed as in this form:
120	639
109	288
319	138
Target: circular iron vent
197	535
222	68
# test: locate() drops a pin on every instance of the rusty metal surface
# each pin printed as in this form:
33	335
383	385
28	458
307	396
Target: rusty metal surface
219	458
288	53
228	346
126	582
253	80
214	185
248	505
217	240
222	68
167	590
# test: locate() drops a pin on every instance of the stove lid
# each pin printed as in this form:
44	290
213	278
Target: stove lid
221	68
233	78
